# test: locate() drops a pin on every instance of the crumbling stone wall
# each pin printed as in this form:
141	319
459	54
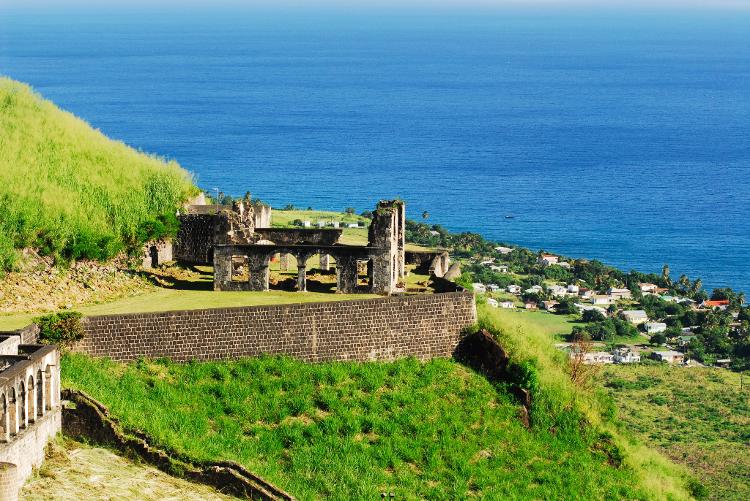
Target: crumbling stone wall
424	326
156	253
194	243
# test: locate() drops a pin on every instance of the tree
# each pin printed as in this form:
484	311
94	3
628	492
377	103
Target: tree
581	373
593	316
425	215
665	275
658	338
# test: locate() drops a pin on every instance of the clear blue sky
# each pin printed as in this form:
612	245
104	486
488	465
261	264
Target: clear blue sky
181	4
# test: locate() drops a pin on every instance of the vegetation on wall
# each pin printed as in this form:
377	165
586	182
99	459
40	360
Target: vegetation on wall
69	191
60	328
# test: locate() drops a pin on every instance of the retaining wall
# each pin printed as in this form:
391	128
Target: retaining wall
422	326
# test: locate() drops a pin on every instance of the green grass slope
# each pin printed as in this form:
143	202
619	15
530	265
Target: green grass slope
698	416
434	430
67	189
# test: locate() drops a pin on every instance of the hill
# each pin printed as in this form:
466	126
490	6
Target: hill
348	430
71	192
697	416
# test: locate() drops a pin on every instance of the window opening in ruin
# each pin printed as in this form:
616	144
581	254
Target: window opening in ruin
364	273
240	269
39	393
4	418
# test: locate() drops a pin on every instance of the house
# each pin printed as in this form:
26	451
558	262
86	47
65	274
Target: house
586	307
595	357
500	268
549	305
601	299
655	327
585	294
564	264
547	259
479	287
626	356
336	224
352	225
306	224
492	302
635	317
573	289
530	305
514	289
507	305
647	288
534	289
723	362
671	357
504	250
434	233
321	224
493	287
685	300
487	262
618	293
716	303
684	340
557	290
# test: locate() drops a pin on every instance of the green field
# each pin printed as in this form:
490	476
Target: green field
340	430
697	416
68	190
553	326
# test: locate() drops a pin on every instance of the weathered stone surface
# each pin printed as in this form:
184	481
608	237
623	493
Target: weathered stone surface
423	326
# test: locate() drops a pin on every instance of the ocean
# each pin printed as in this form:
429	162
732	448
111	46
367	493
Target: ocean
619	136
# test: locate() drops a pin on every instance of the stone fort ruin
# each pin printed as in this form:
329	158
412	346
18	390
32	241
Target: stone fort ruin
240	244
30	413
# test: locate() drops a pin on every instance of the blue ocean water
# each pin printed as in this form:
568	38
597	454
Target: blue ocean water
610	135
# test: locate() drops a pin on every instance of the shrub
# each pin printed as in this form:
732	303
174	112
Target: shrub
60	328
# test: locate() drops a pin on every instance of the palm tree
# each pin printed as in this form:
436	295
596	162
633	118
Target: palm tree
684	282
425	215
697	285
665	274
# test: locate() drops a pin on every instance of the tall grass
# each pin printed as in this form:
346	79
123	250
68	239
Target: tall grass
67	189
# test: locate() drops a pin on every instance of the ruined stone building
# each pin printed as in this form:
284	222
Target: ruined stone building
30	412
240	244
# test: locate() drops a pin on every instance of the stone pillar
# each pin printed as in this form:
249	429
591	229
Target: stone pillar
325	262
9	482
258	266
222	268
13	417
302	272
284	261
346	274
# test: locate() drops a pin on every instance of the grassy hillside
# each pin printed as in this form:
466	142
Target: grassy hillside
70	191
697	416
422	430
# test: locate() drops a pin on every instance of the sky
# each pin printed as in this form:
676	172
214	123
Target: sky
390	4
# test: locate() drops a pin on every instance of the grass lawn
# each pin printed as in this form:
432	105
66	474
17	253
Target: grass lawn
554	326
189	293
345	431
696	416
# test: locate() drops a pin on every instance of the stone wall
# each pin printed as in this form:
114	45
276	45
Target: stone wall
424	326
194	243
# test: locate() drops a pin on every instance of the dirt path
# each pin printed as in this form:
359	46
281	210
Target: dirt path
75	471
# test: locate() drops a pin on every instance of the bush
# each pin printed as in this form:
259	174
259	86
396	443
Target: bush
60	328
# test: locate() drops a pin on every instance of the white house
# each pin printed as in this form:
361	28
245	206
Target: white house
648	288
487	262
625	356
493	287
573	289
564	264
352	225
595	357
306	224
549	305
585	294
635	317
336	224
655	327
504	250
601	299
534	289
672	357
434	233
492	302
514	289
321	224
507	305
619	293
479	287
548	259
557	290
500	268
586	307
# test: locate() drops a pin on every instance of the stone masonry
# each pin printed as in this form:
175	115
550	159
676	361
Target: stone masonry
424	326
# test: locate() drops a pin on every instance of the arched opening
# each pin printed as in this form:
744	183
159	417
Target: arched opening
320	273
153	253
12	413
39	393
283	272
4	431
48	385
23	417
31	400
240	269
